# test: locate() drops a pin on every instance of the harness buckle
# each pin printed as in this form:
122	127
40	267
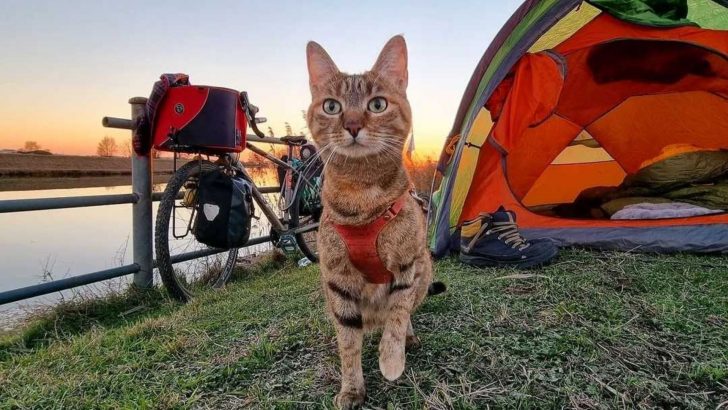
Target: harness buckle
389	213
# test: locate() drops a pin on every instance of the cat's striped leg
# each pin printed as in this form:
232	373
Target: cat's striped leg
404	295
411	339
394	337
353	390
396	327
423	277
422	280
344	307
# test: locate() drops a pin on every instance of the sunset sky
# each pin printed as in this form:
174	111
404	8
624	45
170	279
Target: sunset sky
65	65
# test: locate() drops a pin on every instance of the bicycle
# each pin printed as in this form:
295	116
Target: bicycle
299	205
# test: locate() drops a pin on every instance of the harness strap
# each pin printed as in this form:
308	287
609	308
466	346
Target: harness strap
361	242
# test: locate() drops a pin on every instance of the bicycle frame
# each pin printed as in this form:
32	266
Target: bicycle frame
270	214
258	196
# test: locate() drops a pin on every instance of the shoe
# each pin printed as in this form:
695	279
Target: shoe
494	240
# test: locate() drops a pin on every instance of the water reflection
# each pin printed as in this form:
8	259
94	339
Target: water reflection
45	245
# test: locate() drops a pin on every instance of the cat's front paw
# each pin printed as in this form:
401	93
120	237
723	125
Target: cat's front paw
350	399
391	359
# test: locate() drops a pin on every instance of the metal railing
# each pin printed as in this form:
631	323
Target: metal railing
140	198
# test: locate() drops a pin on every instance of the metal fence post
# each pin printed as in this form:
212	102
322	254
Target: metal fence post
141	185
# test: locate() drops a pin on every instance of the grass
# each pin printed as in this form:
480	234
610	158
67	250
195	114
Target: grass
595	330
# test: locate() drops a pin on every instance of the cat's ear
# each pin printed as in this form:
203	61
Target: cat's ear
392	61
320	66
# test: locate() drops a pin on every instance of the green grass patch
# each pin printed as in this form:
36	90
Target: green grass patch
595	330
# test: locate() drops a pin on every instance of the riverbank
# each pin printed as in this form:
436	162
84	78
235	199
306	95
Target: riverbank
28	172
594	330
55	166
44	183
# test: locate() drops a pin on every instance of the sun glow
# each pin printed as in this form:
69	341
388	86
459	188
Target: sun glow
64	68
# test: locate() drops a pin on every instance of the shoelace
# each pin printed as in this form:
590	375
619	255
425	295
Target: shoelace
508	233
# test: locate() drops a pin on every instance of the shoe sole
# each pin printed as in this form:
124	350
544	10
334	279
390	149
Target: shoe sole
482	261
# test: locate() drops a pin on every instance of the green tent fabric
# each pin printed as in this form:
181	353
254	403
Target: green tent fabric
710	14
657	13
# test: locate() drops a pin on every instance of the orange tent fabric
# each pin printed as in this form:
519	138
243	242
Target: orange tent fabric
611	93
674	93
532	97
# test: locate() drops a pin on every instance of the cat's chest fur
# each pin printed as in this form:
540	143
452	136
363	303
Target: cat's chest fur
357	202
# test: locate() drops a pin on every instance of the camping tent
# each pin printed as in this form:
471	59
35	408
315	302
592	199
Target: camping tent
573	97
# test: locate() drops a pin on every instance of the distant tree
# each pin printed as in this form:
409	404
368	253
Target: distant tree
127	149
271	133
30	146
289	129
107	147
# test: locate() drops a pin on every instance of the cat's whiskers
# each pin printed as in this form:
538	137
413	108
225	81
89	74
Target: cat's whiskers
391	145
391	150
346	160
392	157
316	155
366	159
326	163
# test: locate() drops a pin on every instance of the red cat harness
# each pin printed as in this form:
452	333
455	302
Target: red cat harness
361	242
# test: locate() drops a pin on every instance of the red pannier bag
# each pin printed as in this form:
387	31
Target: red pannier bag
194	118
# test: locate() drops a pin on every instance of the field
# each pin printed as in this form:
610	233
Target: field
40	183
593	331
29	165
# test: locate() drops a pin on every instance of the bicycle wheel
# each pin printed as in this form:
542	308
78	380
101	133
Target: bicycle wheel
306	210
173	236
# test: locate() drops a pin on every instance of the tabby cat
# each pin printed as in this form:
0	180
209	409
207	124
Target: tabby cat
360	123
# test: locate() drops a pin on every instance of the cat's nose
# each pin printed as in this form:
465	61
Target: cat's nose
353	128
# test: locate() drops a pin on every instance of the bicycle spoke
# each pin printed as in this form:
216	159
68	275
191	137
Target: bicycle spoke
185	278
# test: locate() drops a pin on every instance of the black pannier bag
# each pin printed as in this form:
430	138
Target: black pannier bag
224	210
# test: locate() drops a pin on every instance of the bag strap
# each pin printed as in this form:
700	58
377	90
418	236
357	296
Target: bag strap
142	138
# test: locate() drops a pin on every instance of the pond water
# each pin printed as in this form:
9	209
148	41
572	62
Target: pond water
39	246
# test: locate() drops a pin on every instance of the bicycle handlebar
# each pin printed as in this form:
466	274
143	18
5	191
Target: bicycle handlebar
250	111
254	127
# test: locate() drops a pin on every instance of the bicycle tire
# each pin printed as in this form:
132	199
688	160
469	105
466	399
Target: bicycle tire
307	241
183	290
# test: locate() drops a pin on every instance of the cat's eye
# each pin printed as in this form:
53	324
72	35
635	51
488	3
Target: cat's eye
331	106
377	104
